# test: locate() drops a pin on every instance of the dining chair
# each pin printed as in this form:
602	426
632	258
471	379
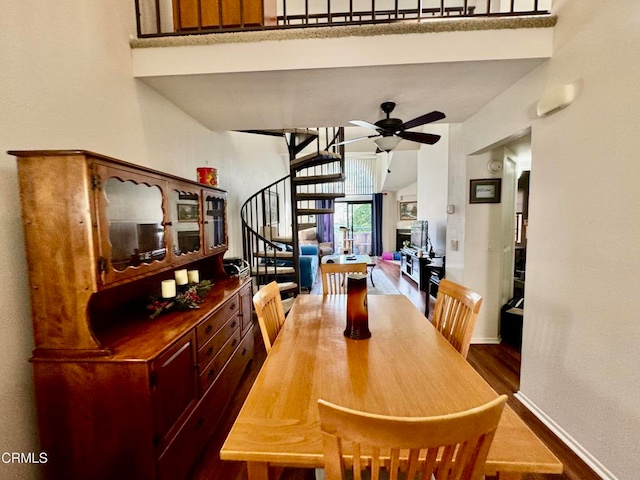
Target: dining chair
455	314
270	312
334	276
452	447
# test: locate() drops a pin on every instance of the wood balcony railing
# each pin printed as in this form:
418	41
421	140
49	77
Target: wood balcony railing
157	18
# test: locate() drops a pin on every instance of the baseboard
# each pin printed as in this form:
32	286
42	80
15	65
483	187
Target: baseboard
602	471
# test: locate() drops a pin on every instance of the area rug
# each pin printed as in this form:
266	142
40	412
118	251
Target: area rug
383	285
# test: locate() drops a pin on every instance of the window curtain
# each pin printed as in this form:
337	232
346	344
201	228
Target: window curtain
376	227
324	222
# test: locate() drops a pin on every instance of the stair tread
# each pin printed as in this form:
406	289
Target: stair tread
319	196
318	179
287	303
282	286
271	270
282	239
314	158
273	253
314	211
280	132
305	225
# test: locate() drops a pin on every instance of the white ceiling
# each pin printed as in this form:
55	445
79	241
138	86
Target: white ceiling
333	96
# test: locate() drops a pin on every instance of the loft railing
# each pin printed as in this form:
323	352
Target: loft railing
184	17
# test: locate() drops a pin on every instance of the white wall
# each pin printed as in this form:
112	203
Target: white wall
580	351
246	163
482	256
66	83
433	171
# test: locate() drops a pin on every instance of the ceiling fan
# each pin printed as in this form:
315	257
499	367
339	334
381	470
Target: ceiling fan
392	131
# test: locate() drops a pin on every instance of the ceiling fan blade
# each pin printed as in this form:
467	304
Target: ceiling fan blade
355	140
362	123
428	138
424	119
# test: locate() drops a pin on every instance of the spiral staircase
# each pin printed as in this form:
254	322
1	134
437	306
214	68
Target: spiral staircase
295	202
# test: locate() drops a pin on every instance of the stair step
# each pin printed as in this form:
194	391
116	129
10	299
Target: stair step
270	270
282	286
287	240
319	196
318	179
305	225
273	254
301	131
313	159
287	303
314	211
281	132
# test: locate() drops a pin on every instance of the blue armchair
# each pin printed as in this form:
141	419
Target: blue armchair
309	260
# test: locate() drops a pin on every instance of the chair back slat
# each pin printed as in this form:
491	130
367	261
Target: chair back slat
334	276
455	314
451	447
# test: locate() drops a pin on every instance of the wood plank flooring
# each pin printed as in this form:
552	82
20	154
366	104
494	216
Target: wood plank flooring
499	365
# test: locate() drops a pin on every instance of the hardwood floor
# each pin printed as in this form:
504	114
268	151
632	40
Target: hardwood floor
499	365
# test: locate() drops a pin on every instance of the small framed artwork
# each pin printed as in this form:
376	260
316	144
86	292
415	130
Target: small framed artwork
408	210
187	212
271	207
485	190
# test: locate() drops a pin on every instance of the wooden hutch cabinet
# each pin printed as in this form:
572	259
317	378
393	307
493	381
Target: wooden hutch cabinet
121	395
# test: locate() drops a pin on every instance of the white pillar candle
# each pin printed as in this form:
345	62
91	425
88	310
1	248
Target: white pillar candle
181	277
168	288
194	276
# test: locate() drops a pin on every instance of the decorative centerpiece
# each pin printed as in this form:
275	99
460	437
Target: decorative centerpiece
190	294
357	309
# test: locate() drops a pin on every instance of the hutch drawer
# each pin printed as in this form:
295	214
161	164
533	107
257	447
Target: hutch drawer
212	324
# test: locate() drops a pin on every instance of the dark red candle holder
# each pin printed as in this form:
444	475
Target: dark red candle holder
357	310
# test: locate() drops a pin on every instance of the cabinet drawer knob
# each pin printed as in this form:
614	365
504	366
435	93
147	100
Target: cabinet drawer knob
244	350
200	423
208	329
209	351
233	324
233	306
235	342
211	373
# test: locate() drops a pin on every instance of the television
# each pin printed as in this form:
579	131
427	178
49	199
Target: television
420	234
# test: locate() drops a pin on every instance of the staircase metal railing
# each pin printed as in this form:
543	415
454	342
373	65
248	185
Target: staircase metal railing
186	17
272	216
264	239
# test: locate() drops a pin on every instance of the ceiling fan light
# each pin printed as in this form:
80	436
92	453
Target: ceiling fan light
387	143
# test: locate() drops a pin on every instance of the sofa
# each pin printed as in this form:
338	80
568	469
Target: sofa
309	259
309	236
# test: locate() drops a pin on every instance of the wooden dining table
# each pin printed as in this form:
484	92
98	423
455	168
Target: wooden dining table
406	368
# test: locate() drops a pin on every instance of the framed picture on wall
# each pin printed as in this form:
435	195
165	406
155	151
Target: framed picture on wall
187	212
486	190
271	207
408	210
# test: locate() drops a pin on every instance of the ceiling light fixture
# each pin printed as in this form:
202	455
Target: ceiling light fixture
387	143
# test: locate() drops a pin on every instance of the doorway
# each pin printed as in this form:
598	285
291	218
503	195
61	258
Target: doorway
352	226
514	267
